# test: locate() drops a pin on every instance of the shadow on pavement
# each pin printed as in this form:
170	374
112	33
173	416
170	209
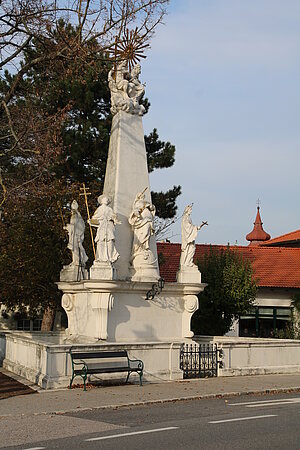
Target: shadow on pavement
11	388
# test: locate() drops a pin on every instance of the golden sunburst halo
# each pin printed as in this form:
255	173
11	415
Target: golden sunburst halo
129	47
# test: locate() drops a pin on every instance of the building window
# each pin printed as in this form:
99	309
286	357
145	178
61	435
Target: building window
263	321
24	324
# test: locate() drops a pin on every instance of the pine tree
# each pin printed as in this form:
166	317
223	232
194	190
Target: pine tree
62	114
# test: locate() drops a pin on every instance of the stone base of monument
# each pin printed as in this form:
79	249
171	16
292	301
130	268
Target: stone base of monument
72	272
188	275
144	267
102	271
108	314
44	359
116	310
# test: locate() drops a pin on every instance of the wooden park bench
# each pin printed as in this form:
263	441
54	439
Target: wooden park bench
96	362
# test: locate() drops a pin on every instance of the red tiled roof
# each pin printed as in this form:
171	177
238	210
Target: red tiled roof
272	266
288	237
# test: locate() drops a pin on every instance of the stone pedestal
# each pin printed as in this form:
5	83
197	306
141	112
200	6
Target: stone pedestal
102	271
188	275
117	311
144	267
73	273
126	175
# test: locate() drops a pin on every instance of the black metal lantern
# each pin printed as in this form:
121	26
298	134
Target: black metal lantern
156	289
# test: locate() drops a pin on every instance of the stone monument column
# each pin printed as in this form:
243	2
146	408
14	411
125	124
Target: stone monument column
126	170
113	303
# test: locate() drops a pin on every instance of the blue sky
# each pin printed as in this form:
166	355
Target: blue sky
223	81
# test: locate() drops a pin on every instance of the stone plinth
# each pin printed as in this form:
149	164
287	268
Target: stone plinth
188	275
102	271
144	267
126	175
73	273
117	310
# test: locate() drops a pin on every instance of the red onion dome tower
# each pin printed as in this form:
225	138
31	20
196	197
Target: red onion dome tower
258	234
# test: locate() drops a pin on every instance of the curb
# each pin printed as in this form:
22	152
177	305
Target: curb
160	401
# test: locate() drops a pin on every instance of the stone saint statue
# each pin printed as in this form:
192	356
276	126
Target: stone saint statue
75	231
141	221
135	88
189	234
104	219
126	89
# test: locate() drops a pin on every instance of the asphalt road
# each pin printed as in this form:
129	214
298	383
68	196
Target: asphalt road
245	422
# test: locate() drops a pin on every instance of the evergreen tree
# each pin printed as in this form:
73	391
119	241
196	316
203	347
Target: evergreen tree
77	97
62	114
230	292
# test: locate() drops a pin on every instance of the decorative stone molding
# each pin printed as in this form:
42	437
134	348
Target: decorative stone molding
116	310
68	303
101	304
191	304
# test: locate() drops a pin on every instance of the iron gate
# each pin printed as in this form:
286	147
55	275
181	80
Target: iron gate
200	360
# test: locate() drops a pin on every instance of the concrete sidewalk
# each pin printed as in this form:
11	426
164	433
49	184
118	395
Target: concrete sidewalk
60	401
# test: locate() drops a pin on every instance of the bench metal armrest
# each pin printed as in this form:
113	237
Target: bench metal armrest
140	364
83	363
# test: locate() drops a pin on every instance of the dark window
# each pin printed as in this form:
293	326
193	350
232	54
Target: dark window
29	324
263	321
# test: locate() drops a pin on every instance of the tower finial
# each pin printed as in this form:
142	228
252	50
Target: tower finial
258	234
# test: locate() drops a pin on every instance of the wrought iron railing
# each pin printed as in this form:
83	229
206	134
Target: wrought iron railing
200	360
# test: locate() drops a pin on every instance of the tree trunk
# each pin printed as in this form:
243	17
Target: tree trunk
48	318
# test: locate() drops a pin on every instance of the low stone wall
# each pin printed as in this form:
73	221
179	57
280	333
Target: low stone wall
44	359
254	356
2	347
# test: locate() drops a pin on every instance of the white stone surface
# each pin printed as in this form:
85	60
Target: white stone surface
191	304
274	297
126	174
73	273
105	220
103	271
188	271
76	269
44	358
126	89
255	356
189	275
117	310
143	262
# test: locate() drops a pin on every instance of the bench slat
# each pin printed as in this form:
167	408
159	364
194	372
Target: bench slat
94	355
106	370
